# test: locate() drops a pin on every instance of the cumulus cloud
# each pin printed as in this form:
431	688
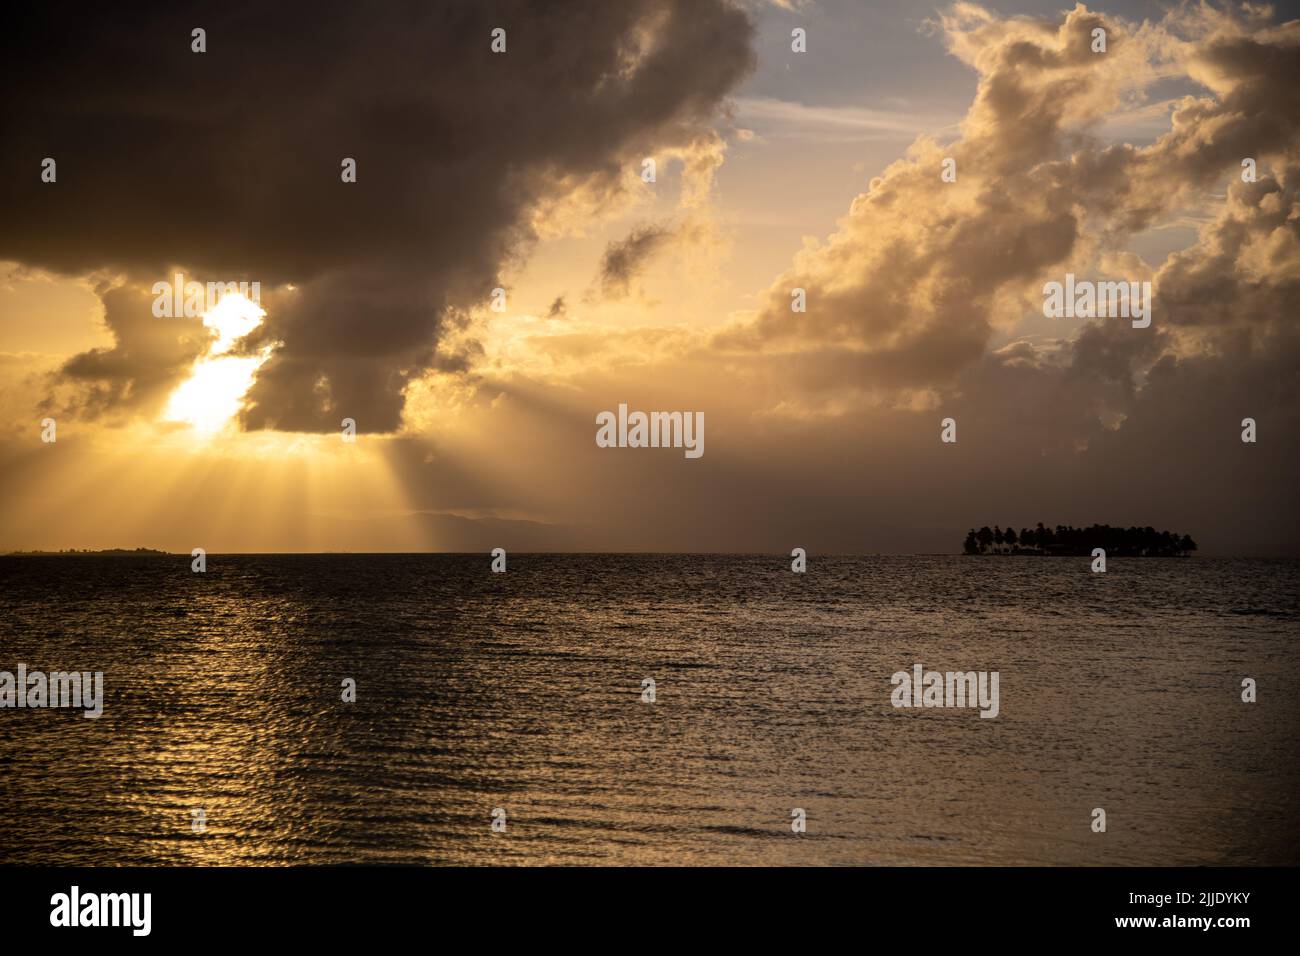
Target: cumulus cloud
149	356
921	275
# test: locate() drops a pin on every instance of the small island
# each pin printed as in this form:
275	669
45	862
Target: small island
107	552
1069	541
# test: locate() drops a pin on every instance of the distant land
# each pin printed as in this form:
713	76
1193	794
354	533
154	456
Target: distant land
110	552
1069	541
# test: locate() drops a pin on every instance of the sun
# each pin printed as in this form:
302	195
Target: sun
215	390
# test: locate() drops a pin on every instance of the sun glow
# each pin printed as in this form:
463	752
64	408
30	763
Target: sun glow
215	390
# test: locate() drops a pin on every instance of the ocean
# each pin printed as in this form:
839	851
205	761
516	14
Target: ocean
520	698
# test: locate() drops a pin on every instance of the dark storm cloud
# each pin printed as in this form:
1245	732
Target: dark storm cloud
149	356
227	163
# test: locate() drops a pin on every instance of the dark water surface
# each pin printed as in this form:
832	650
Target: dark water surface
523	691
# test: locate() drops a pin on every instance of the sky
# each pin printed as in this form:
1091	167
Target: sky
475	411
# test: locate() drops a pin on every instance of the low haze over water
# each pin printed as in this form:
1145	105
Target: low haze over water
523	691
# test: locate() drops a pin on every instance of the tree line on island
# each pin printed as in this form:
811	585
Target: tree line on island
109	552
1071	541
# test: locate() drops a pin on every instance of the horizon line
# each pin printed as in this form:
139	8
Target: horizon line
877	554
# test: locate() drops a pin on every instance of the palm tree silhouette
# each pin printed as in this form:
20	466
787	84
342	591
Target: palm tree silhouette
1068	540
